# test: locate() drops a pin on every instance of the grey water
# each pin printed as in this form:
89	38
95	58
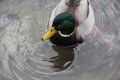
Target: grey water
23	56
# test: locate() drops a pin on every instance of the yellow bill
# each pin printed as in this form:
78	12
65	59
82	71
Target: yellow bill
49	34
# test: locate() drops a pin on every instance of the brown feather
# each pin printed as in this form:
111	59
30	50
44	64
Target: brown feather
65	41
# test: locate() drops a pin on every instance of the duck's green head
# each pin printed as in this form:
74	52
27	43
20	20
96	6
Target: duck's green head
63	23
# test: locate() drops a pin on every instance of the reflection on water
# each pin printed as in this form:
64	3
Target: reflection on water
63	60
23	56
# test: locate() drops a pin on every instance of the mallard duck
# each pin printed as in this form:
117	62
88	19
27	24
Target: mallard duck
70	23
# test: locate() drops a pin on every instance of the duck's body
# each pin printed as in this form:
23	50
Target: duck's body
83	15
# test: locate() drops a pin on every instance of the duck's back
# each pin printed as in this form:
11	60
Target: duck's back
77	8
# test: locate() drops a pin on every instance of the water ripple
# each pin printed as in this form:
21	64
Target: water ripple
24	57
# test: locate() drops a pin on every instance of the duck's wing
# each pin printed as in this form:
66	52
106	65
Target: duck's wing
86	27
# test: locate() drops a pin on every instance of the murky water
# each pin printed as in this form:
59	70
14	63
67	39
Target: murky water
23	56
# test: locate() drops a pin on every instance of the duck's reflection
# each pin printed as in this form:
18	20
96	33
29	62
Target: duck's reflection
63	60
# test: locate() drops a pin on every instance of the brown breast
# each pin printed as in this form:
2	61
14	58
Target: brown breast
65	41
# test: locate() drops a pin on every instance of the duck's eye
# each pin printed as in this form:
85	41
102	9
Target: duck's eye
60	22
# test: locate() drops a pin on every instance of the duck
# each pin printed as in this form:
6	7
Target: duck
70	23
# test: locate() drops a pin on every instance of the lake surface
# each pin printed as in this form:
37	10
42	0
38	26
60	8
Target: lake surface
23	56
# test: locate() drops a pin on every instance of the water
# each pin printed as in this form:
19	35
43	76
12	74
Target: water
23	56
